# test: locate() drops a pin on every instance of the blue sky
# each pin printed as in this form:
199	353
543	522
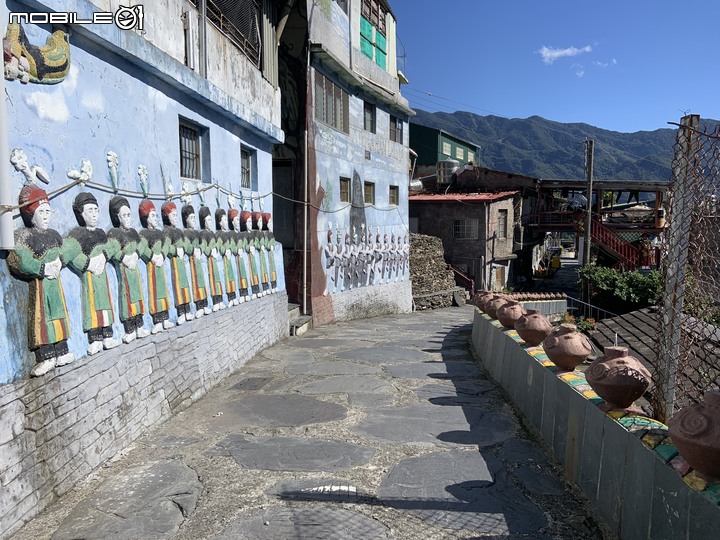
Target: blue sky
623	65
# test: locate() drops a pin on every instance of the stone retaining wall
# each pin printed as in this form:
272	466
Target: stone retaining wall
56	429
625	464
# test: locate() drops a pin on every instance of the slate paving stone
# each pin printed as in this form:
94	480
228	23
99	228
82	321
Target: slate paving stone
461	490
147	501
522	451
437	370
325	489
335	367
252	383
386	355
432	424
269	410
539	482
285	354
371	401
293	453
418	343
316	343
169	441
346	384
281	523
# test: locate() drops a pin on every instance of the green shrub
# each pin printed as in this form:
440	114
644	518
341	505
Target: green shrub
639	289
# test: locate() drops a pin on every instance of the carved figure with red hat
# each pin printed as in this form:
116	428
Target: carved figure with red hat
210	249
37	259
239	252
249	246
88	250
179	245
269	244
225	241
197	273
131	302
256	241
154	254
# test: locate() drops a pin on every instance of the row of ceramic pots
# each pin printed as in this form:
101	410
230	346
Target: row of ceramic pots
616	377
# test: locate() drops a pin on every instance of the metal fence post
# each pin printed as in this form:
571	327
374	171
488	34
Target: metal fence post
678	241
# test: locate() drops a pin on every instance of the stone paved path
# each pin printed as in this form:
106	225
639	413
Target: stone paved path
380	428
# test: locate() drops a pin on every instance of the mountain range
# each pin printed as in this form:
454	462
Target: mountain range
543	148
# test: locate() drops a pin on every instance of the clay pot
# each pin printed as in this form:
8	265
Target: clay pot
533	327
566	347
618	378
510	312
481	298
493	305
695	431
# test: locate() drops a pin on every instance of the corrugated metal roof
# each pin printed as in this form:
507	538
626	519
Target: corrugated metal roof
460	197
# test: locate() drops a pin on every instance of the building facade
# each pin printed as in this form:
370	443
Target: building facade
114	129
433	145
477	231
346	154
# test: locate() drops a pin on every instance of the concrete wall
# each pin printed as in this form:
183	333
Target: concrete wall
625	464
57	429
126	95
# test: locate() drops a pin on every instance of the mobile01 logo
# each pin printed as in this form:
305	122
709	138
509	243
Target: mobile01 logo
125	18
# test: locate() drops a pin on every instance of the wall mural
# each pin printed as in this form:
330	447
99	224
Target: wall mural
356	257
241	241
26	62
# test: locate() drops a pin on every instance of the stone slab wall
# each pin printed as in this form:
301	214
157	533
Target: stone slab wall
55	430
364	302
625	464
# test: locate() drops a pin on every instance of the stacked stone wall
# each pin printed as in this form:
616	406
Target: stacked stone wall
429	273
56	429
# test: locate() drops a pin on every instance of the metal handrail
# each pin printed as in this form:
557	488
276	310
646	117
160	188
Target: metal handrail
469	282
588	311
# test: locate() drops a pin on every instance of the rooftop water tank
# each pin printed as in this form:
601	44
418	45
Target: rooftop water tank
445	170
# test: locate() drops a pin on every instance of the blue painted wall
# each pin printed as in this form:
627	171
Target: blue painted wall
107	103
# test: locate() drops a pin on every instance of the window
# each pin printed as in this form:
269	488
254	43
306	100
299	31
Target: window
190	151
245	168
502	224
369	117
446	149
459	153
396	129
332	105
343	4
240	22
369	193
465	229
373	34
471	157
394	195
344	189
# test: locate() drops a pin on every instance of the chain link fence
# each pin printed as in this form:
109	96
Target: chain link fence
687	362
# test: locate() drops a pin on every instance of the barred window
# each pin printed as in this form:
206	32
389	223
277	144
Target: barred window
373	34
369	193
332	104
370	115
240	22
190	151
446	149
396	129
465	229
459	153
375	13
502	224
344	189
245	169
394	195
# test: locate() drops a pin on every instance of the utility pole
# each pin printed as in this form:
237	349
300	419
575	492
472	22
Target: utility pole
588	194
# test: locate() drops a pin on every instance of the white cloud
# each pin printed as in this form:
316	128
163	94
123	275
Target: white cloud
550	54
49	106
580	73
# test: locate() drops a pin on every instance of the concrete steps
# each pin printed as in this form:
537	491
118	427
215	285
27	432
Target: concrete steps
299	324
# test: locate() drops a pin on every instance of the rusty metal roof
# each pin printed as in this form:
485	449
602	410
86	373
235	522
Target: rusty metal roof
460	197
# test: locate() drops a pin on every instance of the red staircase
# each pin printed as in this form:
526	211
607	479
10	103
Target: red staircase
626	254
